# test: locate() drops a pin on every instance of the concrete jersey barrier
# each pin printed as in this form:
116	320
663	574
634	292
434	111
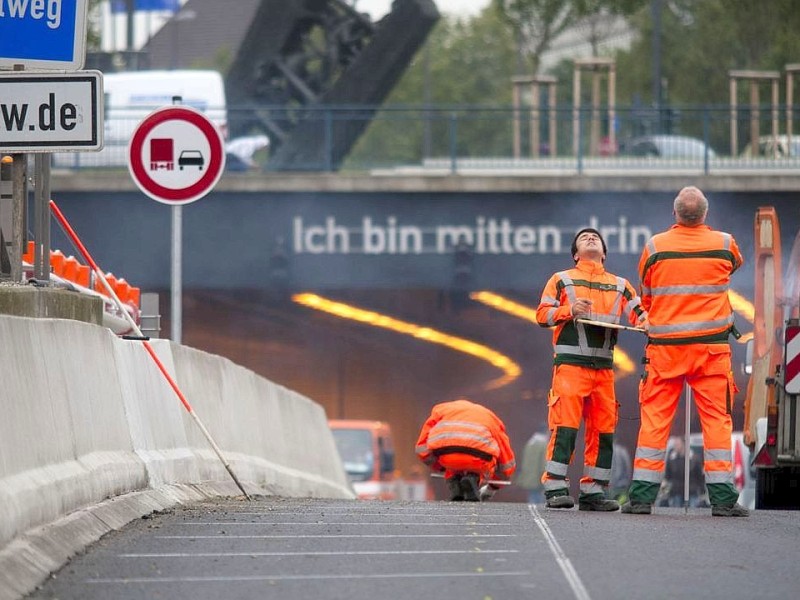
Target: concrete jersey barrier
87	417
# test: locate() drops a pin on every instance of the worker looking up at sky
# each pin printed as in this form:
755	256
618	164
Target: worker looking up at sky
583	379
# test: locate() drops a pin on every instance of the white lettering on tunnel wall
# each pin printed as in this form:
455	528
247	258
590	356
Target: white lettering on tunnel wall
486	235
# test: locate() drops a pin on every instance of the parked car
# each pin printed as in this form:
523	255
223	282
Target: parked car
774	147
667	146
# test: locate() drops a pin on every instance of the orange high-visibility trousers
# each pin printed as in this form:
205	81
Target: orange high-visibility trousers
707	370
580	394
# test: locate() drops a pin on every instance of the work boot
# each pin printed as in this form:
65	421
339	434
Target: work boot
562	501
599	503
637	508
736	510
454	487
469	487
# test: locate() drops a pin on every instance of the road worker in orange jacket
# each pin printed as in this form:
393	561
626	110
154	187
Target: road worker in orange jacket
469	443
583	378
685	275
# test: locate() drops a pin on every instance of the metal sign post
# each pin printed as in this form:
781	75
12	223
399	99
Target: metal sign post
45	113
687	448
41	209
176	303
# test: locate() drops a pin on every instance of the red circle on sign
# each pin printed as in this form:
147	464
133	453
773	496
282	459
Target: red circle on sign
211	175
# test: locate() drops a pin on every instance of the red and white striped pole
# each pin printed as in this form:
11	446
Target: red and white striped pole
792	353
101	276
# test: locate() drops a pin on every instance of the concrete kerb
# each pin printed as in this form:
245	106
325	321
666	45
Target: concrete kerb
27	561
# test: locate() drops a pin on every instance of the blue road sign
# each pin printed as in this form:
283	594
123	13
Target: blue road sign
43	34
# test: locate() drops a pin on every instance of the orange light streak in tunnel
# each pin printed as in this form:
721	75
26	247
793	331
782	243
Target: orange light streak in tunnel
510	369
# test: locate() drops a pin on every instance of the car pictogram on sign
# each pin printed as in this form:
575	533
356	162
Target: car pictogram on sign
191	158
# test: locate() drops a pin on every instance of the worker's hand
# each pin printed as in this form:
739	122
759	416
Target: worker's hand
645	324
581	308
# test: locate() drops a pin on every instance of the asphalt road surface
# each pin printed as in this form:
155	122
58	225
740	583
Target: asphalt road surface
301	549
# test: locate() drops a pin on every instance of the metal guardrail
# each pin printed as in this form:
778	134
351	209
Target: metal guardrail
458	139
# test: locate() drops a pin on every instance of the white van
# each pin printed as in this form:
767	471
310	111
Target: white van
131	96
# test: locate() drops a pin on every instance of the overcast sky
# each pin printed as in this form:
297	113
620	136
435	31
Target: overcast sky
378	8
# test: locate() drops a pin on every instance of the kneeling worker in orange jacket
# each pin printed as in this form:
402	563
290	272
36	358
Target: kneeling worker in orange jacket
469	443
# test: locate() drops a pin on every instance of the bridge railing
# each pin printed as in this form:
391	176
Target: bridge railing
461	139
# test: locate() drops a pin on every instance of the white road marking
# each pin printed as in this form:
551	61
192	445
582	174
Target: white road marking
563	562
267	537
295	523
338	553
158	580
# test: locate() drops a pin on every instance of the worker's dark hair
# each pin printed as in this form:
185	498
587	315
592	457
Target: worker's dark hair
587	230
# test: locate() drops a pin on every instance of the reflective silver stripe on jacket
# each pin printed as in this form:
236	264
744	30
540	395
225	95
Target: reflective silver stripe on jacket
572	297
597	473
506	466
556	468
593	352
482	434
691	326
583	348
551	312
678	290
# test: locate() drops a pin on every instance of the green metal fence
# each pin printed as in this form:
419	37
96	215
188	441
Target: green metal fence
476	139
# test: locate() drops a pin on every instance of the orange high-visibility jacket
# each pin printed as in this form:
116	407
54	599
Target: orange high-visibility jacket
612	298
685	274
464	427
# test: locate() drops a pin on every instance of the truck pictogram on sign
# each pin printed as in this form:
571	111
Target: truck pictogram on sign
161	154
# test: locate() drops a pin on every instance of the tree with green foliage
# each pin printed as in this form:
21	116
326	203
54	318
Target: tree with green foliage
701	41
465	63
536	23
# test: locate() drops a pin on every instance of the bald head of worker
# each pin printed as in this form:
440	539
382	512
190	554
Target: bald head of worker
690	207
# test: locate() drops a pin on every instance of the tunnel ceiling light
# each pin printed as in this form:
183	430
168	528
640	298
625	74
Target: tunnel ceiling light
505	305
623	362
510	369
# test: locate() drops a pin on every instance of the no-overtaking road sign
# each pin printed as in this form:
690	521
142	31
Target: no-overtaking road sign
176	155
51	112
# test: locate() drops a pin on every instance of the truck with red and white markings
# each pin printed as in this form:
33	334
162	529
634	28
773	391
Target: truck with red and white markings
772	414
